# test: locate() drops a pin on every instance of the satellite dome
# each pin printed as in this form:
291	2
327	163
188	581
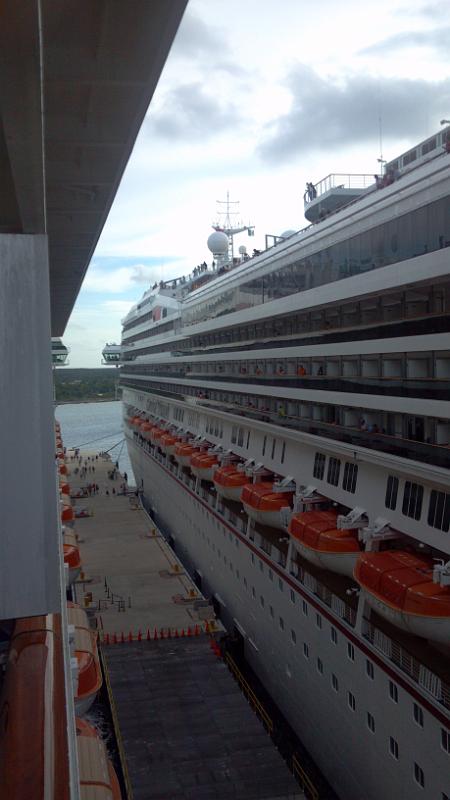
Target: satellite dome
287	234
218	243
242	249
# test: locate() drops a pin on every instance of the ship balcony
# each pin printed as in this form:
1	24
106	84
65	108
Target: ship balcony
333	192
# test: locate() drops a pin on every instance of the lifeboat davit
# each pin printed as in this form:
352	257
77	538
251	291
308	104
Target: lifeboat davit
89	672
229	482
263	505
168	443
316	538
97	775
184	452
72	555
399	586
204	465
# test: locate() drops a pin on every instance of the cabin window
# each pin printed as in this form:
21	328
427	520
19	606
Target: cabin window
293	637
305	650
234	434
350	477
240	440
428	146
393	747
334	636
281	623
419	776
351	701
319	620
390	500
370	722
248	440
418	715
439	511
409	157
305	608
320	666
412	500
370	670
350	651
445	740
335	682
319	466
393	691
283	451
264	445
271	612
334	467
292	594
274	444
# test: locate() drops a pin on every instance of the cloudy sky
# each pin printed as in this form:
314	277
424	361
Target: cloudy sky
256	98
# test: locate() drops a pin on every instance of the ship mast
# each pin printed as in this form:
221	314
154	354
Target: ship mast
228	222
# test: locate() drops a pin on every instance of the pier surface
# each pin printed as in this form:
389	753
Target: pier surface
184	727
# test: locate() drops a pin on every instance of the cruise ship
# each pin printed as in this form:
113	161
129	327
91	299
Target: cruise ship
287	417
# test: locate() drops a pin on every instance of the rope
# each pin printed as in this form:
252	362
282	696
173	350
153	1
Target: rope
108	436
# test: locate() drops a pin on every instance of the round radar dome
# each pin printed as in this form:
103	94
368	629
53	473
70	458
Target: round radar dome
218	243
242	249
287	234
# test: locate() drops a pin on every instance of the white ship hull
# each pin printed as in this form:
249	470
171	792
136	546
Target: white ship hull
317	713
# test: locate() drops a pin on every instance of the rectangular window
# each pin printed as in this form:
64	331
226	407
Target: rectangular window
319	620
418	715
271	611
350	477
283	452
292	595
261	600
320	666
412	500
305	650
270	575
319	466
281	623
334	635
445	740
419	777
369	669
390	500
294	636
240	439
350	651
351	701
253	591
305	607
280	584
370	722
252	556
274	444
248	440
261	566
334	468
234	434
335	682
393	691
393	747
439	511
264	445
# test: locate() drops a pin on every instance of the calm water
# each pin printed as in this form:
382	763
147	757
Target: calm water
96	426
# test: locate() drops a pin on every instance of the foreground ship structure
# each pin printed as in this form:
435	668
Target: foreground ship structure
288	422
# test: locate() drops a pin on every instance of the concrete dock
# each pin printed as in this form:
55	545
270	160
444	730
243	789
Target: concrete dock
184	728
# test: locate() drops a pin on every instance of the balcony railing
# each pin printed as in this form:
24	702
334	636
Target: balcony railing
338	181
420	674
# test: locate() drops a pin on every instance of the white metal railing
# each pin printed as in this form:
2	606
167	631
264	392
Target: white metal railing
408	663
337	181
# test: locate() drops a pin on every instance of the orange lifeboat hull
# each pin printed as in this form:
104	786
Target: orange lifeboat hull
229	482
315	537
204	466
399	586
184	452
86	652
263	505
96	772
168	443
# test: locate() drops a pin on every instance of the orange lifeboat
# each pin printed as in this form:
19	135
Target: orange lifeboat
263	505
156	434
71	555
316	538
184	452
64	487
146	428
62	469
67	514
89	673
204	465
33	703
399	586
229	482
168	443
98	778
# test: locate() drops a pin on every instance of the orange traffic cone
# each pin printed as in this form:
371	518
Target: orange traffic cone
130	637
122	637
155	635
115	639
189	632
139	637
148	635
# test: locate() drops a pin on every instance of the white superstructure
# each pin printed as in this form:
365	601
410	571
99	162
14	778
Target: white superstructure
319	370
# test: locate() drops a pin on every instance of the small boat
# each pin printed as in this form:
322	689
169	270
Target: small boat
229	482
145	430
204	465
64	487
399	586
98	779
89	672
264	505
67	514
168	443
316	538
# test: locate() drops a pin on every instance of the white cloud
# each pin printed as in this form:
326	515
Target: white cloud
121	279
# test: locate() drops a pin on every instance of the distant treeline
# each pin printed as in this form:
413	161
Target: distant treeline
75	385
